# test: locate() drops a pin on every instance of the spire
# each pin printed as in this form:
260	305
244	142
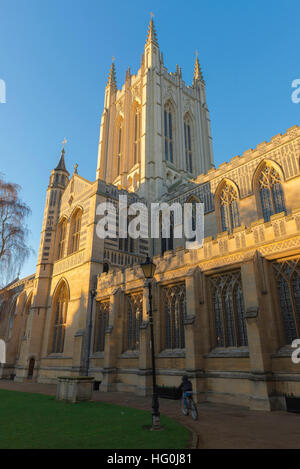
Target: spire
197	70
152	37
112	79
61	164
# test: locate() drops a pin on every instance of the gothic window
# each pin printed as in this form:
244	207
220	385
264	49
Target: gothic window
62	230
12	315
169	133
60	308
119	149
101	324
137	136
287	275
188	143
75	231
228	307
174	299
271	192
229	210
134	313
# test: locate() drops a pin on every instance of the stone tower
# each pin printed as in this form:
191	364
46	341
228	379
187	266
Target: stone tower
31	349
155	131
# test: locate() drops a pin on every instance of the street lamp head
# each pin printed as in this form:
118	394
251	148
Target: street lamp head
148	268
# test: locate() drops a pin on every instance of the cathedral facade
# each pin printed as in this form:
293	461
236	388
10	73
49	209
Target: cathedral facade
227	314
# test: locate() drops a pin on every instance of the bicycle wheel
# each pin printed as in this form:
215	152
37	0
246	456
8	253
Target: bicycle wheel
194	410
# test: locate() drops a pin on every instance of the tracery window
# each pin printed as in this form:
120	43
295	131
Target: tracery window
62	230
174	298
60	308
271	192
188	144
287	275
228	307
168	130
75	231
134	314
137	136
229	209
101	324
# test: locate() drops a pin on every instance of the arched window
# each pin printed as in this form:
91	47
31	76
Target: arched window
174	298
60	308
271	192
287	275
12	314
137	136
62	231
119	149
188	143
101	323
75	231
25	314
134	309
169	133
228	205
228	307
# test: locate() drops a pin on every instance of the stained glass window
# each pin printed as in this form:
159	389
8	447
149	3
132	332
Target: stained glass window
188	144
168	131
228	306
271	192
101	323
174	298
137	136
60	308
287	275
75	231
134	306
62	229
230	217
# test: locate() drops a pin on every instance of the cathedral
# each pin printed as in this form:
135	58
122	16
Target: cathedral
226	314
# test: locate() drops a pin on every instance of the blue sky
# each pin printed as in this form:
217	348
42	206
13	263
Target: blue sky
55	57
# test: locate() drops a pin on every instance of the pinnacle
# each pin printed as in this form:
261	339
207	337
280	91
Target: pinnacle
152	36
112	78
197	71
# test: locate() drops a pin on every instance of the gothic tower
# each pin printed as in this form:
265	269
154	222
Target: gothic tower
31	349
155	131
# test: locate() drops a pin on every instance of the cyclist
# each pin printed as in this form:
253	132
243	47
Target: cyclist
186	388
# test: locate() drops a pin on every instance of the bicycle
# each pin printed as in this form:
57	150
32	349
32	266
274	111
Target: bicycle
191	406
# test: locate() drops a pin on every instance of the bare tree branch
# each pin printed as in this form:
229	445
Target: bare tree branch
13	231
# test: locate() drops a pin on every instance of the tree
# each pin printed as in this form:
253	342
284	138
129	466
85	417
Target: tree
13	231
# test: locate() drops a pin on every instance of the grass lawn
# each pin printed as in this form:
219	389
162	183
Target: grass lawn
31	421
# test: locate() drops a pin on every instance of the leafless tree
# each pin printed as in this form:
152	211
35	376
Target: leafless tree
13	231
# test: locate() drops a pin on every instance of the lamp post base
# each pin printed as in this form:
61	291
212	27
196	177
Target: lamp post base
155	412
156	422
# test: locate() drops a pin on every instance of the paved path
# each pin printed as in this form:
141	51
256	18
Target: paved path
219	426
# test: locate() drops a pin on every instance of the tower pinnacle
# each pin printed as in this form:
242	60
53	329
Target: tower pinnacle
152	37
61	164
112	78
197	70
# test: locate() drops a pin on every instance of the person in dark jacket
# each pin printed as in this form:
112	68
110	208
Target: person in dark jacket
186	388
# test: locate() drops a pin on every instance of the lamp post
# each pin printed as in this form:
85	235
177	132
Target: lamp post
149	270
